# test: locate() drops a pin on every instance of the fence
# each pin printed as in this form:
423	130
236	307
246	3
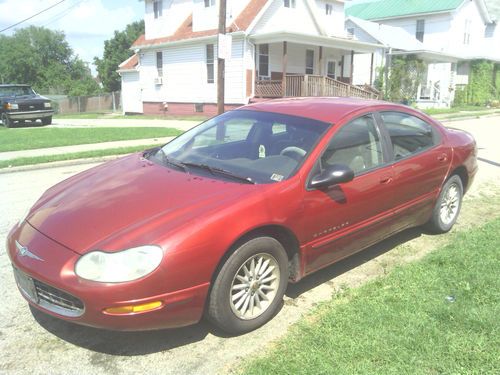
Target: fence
79	104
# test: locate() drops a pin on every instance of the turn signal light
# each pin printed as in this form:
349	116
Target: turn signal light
130	309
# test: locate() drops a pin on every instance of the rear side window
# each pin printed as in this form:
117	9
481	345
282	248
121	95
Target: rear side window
409	134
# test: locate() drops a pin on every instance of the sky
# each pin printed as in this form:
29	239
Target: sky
86	23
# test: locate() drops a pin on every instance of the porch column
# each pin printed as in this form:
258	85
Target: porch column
352	66
371	71
284	62
320	60
342	68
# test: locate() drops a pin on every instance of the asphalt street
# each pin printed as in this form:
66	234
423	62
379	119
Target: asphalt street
34	343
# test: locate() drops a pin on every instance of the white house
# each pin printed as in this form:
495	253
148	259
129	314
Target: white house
279	48
451	33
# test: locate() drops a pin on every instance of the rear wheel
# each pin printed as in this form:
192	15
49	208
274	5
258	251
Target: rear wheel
47	120
6	121
447	207
249	287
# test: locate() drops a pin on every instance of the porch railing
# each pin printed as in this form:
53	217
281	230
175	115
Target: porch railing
309	85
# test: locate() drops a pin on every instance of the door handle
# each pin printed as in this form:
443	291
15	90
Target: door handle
442	158
386	180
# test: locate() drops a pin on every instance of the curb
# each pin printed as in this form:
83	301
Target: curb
471	117
56	164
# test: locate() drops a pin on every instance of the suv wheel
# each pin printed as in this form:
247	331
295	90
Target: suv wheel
47	120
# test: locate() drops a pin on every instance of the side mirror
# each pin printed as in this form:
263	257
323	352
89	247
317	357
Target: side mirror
333	175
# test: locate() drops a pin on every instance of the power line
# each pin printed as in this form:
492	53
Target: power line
62	14
33	16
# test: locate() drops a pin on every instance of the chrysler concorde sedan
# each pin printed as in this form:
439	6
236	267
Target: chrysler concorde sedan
218	221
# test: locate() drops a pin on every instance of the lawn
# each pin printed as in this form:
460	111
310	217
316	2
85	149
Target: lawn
456	110
33	138
435	316
71	156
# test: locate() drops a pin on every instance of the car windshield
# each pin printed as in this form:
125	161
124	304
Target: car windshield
247	146
15	91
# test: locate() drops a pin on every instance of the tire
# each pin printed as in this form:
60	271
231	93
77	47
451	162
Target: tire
6	121
47	120
447	206
237	284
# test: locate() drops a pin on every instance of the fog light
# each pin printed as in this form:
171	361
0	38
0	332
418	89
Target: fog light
130	309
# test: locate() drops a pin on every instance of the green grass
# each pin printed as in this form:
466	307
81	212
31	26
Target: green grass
71	156
453	110
109	115
33	138
439	315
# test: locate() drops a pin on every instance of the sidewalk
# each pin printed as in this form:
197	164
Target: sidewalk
137	122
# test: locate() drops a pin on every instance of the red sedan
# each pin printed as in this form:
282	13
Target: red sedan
219	220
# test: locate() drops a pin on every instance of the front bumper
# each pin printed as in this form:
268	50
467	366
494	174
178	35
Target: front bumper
59	292
30	115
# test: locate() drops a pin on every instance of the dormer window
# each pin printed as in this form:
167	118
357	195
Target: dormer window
328	9
158	8
419	34
289	3
209	3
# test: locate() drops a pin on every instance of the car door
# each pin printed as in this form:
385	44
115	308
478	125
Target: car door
420	165
348	217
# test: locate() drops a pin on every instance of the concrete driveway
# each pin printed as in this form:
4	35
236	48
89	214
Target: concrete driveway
34	343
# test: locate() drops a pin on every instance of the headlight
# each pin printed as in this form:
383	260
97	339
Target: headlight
11	106
126	265
47	105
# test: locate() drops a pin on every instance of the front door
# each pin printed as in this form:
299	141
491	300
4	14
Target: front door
345	218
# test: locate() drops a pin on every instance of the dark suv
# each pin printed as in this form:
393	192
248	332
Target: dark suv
21	103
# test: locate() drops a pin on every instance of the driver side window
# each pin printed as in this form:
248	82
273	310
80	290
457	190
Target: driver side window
357	145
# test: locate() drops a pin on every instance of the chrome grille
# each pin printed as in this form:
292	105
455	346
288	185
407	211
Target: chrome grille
57	301
30	106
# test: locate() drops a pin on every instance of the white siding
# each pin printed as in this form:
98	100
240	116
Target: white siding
185	75
174	14
334	23
206	18
468	12
279	18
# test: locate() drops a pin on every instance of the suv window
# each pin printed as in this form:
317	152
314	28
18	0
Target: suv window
409	134
356	145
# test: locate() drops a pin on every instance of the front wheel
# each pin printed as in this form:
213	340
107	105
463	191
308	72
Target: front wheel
249	287
6	121
447	207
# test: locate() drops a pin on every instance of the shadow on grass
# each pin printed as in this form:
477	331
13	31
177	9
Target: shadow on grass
147	342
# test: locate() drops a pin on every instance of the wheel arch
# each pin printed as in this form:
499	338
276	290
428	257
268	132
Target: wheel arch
280	233
461	172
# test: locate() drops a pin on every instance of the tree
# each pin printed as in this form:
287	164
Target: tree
117	50
43	58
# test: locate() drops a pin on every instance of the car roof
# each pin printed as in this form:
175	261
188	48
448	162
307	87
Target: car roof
329	110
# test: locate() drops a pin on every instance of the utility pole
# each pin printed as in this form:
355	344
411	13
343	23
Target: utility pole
221	62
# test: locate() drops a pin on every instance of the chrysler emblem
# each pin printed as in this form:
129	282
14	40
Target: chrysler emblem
24	252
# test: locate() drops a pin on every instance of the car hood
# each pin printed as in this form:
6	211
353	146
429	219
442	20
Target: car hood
119	204
32	98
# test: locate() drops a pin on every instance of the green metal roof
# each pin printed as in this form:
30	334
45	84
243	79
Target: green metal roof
378	9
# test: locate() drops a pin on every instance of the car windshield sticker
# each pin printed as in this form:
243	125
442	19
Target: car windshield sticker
277	177
262	151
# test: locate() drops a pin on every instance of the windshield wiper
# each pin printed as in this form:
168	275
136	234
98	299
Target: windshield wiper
224	172
173	162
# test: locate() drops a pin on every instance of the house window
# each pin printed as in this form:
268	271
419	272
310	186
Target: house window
419	34
210	63
159	63
158	8
328	9
330	69
264	60
467	31
209	3
350	32
309	61
289	3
